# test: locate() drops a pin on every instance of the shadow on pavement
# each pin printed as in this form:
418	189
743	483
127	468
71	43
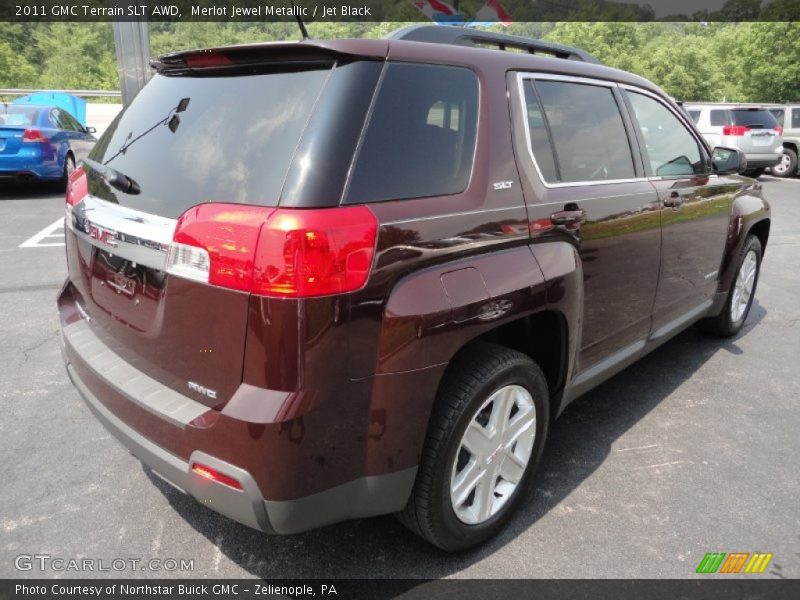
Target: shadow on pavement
12	190
580	441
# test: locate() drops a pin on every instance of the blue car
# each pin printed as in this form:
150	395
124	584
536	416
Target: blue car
41	143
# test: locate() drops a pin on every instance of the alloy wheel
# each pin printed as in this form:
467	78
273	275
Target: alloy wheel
743	286
493	454
782	167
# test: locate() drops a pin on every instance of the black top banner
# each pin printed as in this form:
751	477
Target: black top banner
469	12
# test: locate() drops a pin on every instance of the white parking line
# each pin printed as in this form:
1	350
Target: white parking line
53	231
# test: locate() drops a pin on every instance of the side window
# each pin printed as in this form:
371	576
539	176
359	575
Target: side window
719	117
55	118
694	114
796	118
541	145
420	140
671	149
587	132
70	122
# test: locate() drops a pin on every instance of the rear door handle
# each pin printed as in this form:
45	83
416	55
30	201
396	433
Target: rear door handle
568	217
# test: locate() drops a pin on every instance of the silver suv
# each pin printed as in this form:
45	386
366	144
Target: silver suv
751	129
788	116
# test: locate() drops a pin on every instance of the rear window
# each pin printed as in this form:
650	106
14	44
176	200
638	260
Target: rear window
233	142
755	118
778	113
18	116
719	117
420	140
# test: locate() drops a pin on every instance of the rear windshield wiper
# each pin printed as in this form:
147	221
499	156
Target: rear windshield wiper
114	178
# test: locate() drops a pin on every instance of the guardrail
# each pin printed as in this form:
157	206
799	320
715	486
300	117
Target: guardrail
81	93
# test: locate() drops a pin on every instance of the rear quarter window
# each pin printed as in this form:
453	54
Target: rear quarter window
420	140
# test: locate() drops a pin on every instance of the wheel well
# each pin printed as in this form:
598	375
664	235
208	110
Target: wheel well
761	231
541	336
791	145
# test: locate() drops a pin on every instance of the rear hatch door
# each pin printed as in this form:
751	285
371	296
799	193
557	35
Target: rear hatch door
186	139
761	136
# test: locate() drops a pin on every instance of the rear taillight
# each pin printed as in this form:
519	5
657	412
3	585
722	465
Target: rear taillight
779	129
292	253
735	130
32	136
77	187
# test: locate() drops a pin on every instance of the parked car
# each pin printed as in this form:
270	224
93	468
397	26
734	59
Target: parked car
751	129
788	117
41	143
316	281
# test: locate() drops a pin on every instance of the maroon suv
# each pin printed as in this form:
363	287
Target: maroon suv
324	280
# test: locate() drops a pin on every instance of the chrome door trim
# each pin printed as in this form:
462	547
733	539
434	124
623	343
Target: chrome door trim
524	75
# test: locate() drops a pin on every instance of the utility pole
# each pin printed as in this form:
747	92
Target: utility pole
132	46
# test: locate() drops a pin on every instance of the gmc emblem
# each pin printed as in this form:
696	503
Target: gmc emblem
102	235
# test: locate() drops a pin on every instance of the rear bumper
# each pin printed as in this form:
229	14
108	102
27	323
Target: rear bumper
246	506
763	161
29	162
97	373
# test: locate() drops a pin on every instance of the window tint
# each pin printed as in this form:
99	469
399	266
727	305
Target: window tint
694	114
70	122
421	137
18	115
540	138
233	143
755	118
671	149
719	117
796	118
587	130
778	113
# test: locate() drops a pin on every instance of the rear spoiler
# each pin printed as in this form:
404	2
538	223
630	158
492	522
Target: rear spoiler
251	55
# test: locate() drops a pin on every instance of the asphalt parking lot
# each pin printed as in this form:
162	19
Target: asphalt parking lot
694	449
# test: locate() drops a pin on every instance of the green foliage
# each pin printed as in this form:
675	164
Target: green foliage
753	61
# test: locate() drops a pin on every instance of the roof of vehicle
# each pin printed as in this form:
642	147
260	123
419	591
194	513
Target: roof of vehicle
728	105
391	49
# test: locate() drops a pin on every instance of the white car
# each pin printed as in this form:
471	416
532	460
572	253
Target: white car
752	129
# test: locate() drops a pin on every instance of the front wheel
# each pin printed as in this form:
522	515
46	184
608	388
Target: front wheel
788	164
484	442
741	293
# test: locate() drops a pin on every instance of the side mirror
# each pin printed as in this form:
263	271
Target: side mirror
727	161
91	130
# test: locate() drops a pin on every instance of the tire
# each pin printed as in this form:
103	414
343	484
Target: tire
734	312
788	165
69	167
482	373
754	173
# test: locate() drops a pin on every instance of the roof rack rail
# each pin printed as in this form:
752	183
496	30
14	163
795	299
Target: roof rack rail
463	36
